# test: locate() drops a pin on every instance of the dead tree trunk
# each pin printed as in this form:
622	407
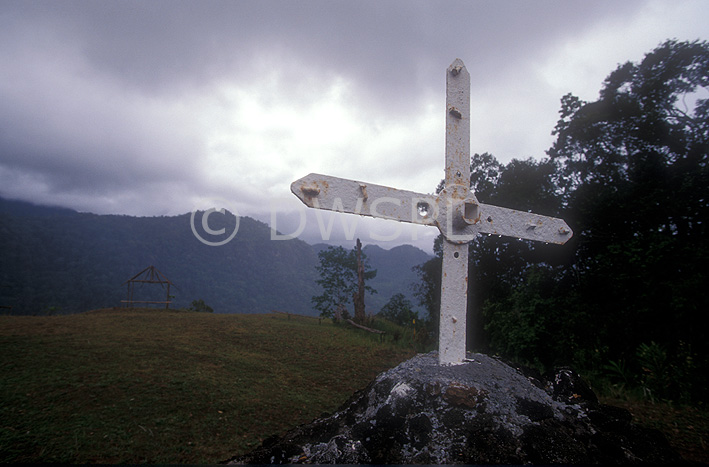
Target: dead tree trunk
359	316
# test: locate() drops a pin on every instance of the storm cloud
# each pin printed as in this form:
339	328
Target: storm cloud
161	107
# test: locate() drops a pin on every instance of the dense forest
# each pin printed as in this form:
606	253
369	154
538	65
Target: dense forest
627	294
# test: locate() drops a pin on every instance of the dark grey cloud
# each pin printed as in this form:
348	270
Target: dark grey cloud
390	48
104	99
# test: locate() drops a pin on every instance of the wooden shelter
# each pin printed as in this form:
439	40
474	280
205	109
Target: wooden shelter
149	275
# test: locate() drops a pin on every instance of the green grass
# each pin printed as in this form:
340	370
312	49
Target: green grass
156	386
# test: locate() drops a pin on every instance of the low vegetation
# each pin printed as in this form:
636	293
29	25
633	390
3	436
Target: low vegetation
686	427
157	386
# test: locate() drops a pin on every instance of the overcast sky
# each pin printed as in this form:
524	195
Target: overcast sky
161	107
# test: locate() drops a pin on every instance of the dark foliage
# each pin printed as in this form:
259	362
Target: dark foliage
629	173
200	307
399	310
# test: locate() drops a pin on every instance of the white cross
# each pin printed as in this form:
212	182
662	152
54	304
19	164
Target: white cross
455	211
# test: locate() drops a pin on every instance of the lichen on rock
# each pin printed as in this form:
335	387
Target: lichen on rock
481	412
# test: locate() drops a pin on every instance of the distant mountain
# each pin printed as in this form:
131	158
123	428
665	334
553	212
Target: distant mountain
72	262
62	261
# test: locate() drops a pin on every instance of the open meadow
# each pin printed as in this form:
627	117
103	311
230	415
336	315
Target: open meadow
156	386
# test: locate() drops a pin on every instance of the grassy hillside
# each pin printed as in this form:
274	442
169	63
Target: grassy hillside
117	386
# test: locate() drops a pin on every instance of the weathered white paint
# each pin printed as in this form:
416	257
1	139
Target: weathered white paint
455	211
454	282
342	195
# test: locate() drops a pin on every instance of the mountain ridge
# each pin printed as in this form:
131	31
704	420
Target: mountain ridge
57	260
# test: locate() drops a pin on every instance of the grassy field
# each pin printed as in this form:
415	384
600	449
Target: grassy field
156	386
117	386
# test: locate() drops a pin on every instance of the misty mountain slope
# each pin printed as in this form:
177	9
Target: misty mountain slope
61	261
76	261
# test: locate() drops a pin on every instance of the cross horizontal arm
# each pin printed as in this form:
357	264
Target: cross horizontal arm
520	224
366	199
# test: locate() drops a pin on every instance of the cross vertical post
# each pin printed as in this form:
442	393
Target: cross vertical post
454	281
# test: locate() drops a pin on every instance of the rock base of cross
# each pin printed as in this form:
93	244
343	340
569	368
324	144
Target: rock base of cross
480	412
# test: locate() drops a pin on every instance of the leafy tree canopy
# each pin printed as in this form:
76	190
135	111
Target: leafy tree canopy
338	279
635	179
200	307
399	310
